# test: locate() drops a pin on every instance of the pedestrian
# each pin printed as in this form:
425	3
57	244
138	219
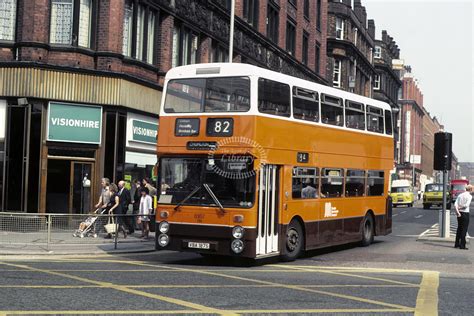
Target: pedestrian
125	200
147	184
104	194
135	195
146	208
114	207
461	205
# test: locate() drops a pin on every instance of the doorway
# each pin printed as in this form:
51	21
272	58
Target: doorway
69	186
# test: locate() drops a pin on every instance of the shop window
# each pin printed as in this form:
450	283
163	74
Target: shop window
332	182
251	12
375	119
332	112
3	132
185	46
355	183
65	29
375	183
110	139
305	104
273	97
305	183
7	20
355	115
34	158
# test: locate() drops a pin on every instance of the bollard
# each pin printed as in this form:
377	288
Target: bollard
48	238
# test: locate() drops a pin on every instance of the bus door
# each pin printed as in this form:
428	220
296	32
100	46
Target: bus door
268	202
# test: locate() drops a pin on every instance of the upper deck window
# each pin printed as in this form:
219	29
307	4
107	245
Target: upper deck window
229	94
305	105
355	115
375	119
273	97
332	111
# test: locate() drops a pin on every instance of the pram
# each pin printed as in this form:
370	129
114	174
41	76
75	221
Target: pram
87	227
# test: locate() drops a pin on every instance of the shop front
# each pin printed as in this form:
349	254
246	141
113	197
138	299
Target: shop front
140	154
73	138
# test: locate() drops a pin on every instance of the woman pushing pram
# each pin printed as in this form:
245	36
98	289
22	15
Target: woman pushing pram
86	227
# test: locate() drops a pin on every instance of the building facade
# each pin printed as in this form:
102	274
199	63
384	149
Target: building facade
431	126
81	82
411	130
466	170
350	47
386	83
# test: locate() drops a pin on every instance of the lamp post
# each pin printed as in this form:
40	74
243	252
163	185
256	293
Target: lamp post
231	33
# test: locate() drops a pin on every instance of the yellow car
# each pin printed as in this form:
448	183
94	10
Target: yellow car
434	196
402	196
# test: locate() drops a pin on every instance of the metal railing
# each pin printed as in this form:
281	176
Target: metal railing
46	229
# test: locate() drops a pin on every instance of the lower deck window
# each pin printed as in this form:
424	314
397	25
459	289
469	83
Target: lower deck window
305	183
332	182
375	183
355	183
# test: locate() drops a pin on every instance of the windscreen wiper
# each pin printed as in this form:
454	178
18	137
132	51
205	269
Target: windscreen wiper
190	195
213	196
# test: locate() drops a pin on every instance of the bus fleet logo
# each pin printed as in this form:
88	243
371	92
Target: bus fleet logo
236	166
330	211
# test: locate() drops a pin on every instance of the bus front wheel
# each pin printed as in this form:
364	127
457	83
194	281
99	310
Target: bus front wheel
367	231
294	241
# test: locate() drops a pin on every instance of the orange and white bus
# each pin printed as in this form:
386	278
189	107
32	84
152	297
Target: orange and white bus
255	163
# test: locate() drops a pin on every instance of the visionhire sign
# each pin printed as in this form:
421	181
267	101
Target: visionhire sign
74	123
144	132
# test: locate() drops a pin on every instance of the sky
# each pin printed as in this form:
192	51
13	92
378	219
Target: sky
435	38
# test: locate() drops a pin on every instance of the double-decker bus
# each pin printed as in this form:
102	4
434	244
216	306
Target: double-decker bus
255	163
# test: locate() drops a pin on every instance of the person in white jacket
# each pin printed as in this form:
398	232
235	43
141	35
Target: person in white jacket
461	205
145	209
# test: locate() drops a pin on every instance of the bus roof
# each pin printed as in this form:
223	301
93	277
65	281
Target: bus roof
240	69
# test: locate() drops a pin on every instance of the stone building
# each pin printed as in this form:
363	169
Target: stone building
81	82
350	47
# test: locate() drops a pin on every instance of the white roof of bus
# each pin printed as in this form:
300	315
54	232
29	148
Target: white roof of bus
240	69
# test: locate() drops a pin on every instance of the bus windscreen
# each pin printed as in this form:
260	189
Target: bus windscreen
208	95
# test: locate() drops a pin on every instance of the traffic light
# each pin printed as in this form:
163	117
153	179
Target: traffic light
442	151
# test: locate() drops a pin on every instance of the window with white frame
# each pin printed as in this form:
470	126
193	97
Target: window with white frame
64	29
339	28
142	35
7	20
185	46
377	82
336	78
61	21
378	52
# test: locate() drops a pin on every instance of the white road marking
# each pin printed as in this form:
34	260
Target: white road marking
418	216
404	212
394	215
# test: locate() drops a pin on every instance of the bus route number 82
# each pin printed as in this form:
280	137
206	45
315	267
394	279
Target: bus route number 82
220	127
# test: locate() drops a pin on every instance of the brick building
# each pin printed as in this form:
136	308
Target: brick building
411	128
81	82
431	126
350	47
387	79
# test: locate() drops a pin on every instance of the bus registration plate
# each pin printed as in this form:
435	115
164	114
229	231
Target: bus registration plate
199	245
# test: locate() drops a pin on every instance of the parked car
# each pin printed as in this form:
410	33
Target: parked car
434	196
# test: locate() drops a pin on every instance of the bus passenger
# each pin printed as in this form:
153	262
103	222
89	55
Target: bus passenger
308	192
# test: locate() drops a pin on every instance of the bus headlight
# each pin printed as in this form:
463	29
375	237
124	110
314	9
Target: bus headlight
238	232
163	240
164	227
237	246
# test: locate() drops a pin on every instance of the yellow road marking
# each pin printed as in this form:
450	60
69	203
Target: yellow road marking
358	276
187	312
128	290
298	288
427	299
187	286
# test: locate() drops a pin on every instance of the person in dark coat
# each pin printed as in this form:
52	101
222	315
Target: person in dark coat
125	200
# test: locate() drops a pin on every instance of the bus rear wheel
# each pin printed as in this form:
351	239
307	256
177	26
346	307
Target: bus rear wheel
367	231
294	241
